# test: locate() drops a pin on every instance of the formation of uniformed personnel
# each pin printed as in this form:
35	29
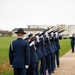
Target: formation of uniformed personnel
43	49
33	69
57	37
72	42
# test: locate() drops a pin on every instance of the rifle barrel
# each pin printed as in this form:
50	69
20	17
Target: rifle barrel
46	31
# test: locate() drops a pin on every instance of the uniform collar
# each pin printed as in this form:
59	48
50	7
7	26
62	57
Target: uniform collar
19	38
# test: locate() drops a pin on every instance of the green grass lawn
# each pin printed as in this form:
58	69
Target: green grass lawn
5	68
4	63
65	46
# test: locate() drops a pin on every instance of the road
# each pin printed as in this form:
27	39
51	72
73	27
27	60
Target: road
67	65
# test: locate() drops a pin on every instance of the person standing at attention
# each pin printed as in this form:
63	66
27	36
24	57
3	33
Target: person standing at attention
19	54
72	42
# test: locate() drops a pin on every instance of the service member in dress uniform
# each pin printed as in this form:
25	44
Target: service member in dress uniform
19	54
32	70
72	42
38	51
43	60
53	49
57	37
48	49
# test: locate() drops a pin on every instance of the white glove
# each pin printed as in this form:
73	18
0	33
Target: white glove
60	34
37	37
26	66
11	65
52	34
32	43
42	36
46	35
56	34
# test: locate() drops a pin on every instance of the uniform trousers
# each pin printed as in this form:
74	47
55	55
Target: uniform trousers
72	46
43	66
57	57
52	62
48	63
19	71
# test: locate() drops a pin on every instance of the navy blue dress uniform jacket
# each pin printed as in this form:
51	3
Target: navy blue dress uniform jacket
53	44
72	43
33	55
38	50
72	40
57	43
47	45
20	55
42	47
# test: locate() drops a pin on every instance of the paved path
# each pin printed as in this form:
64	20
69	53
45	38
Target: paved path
67	65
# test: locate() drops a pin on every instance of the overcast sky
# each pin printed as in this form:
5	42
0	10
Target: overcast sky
20	13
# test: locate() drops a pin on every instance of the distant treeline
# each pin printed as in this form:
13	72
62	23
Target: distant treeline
5	33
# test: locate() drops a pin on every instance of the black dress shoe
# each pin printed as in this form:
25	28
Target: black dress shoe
52	71
72	52
58	66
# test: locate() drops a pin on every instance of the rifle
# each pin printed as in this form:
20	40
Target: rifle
45	31
34	38
61	31
55	31
50	32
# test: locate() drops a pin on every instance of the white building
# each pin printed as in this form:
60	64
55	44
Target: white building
69	29
39	26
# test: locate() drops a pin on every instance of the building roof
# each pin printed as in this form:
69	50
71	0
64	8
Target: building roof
30	29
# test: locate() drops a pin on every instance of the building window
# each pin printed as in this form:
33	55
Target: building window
37	27
28	26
